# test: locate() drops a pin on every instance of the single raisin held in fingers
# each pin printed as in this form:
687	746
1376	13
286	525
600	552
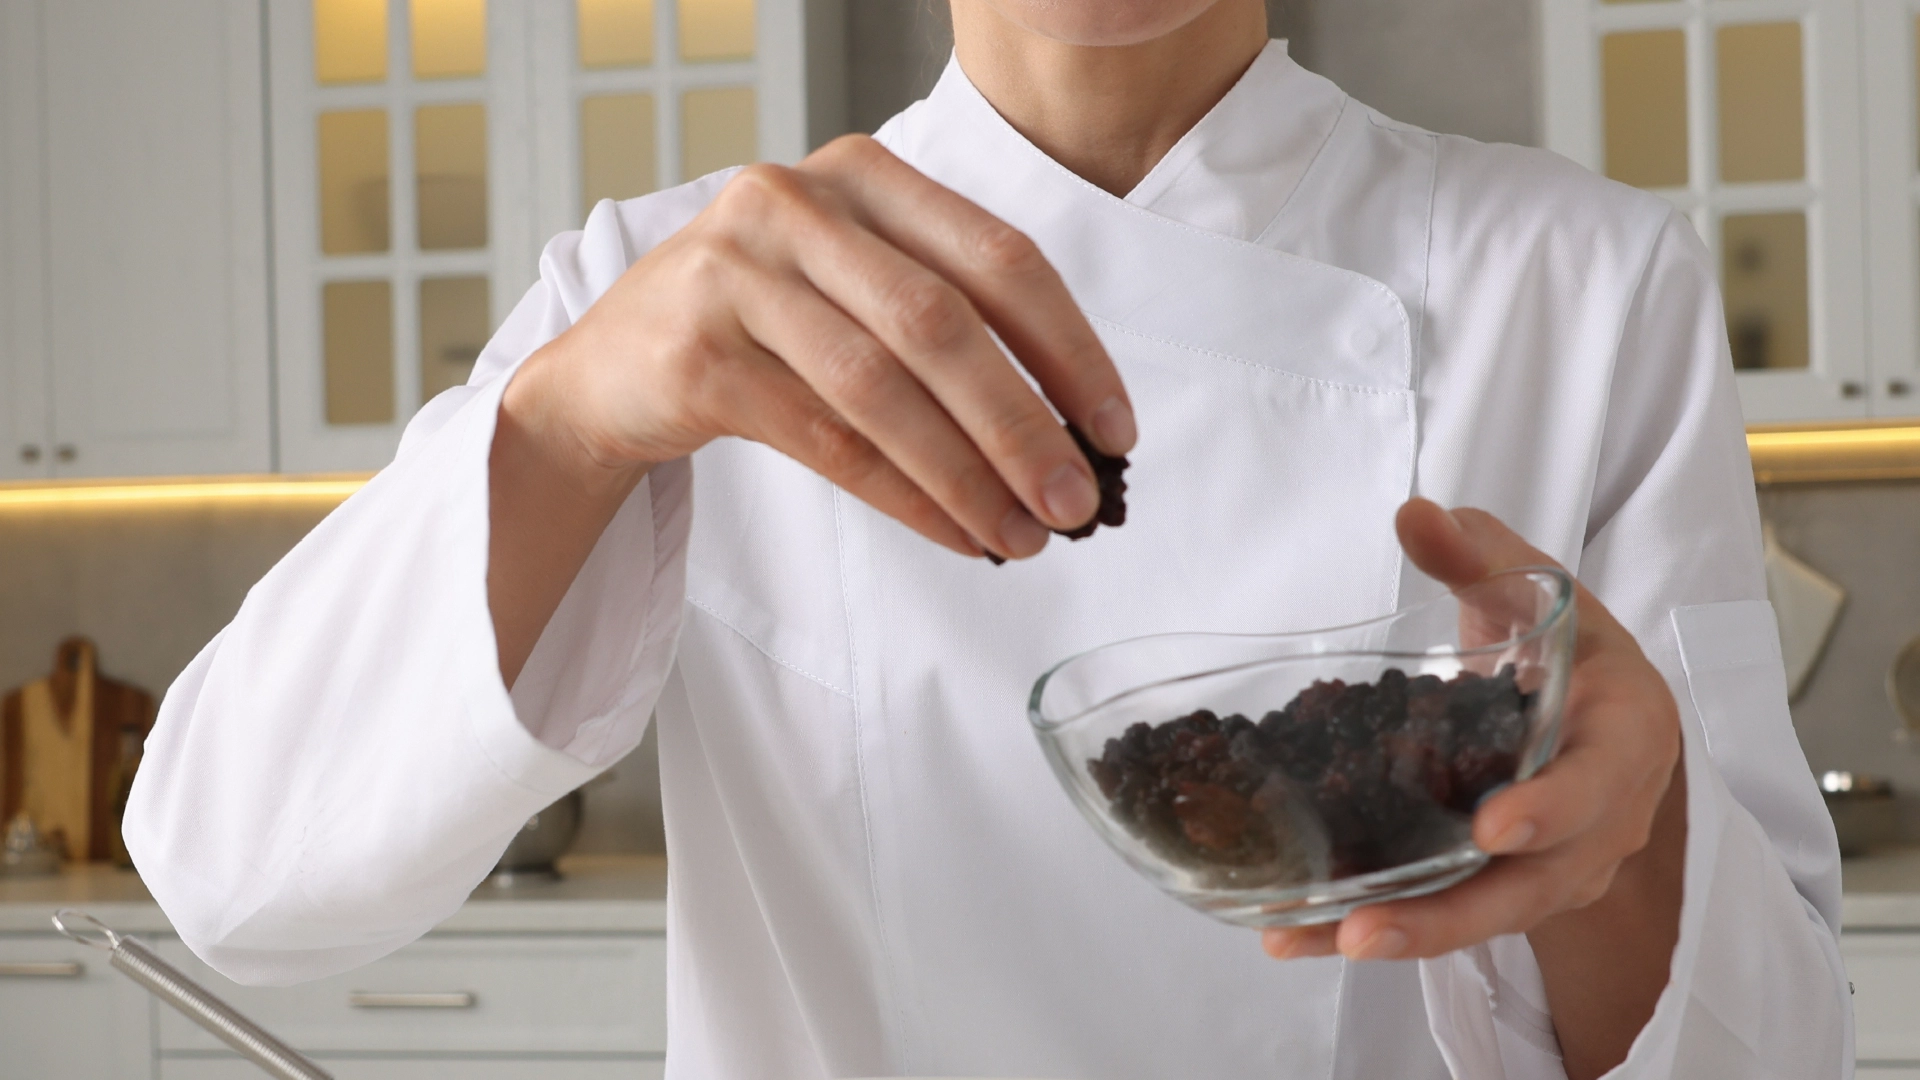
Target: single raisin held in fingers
1108	474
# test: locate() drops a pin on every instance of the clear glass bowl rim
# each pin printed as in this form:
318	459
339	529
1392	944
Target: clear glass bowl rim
1563	600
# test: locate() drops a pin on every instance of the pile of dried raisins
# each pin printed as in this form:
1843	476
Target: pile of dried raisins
1347	779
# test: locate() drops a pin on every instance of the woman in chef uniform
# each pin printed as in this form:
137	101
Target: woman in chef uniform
735	462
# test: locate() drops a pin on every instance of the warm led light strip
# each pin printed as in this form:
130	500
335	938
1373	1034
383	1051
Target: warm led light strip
1831	454
1782	455
182	490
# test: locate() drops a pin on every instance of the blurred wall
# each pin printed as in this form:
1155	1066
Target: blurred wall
1465	67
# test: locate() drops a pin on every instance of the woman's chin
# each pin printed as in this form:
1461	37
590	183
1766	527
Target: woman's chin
1103	22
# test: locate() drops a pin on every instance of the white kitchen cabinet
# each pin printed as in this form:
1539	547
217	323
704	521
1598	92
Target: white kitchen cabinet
1887	75
546	1068
399	247
1884	967
563	979
68	1014
515	994
137	329
23	366
1748	117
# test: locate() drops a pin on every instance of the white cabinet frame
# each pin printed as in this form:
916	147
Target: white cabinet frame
1892	193
531	89
779	72
24	418
1835	384
307	442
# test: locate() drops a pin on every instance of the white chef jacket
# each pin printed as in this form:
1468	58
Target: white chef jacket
1318	312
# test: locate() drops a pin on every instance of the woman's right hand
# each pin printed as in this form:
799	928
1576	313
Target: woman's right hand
843	312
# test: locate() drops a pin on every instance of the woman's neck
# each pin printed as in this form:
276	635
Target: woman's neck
1107	112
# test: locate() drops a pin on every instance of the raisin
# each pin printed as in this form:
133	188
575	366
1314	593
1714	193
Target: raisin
1108	474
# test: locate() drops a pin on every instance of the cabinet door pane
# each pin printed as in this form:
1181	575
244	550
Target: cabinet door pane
1644	85
1762	103
358	330
617	159
349	41
453	330
354	218
1765	280
717	129
450	163
449	38
616	33
716	29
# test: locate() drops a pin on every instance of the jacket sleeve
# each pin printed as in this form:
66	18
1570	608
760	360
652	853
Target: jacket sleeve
1673	549
341	765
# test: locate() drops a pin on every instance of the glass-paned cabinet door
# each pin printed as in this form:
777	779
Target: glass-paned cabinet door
403	210
424	150
1891	78
1745	114
639	95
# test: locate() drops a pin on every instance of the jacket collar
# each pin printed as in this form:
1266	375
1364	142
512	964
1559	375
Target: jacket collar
1231	174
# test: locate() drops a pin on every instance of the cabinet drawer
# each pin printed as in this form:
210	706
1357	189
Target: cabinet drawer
428	1069
1885	971
598	994
65	1013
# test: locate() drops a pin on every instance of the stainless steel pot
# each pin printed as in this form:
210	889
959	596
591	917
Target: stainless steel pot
544	838
1863	809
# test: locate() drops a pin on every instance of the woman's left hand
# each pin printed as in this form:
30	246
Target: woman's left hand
1563	836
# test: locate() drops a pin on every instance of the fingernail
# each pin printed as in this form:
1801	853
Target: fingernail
1070	497
1516	836
1383	945
1021	534
1113	427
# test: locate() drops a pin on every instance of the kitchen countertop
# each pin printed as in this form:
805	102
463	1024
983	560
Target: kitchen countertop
1881	890
619	894
627	894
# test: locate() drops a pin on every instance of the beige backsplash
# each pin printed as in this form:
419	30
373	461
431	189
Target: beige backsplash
1866	537
151	585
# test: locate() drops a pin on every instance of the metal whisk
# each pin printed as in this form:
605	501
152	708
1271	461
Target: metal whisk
166	982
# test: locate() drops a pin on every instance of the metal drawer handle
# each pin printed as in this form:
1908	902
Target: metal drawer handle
366	999
56	969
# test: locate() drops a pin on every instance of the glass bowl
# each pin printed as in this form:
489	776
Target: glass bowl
1286	779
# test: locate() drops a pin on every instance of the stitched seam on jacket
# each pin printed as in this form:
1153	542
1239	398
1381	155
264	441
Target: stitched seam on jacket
764	651
885	960
1254	364
1587	531
1346	102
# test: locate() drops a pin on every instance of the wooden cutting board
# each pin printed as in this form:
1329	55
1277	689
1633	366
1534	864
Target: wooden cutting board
68	744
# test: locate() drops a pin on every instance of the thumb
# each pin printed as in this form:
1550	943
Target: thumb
1460	547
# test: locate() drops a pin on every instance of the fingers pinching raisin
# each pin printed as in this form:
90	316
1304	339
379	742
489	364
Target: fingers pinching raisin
1109	472
844	312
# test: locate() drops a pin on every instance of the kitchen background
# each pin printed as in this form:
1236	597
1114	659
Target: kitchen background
152	583
415	154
